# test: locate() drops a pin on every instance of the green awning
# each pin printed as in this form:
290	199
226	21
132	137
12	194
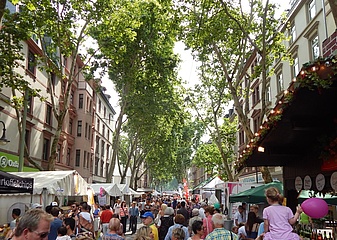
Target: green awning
255	195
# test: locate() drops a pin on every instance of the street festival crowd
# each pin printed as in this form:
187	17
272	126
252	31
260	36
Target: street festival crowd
163	218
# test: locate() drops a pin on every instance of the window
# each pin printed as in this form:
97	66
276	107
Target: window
312	9
102	167
58	153
85	159
279	79
256	95
97	144
98	123
89	132
103	130
30	105
49	114
268	94
256	123
31	62
68	157
88	159
292	33
53	79
70	126
315	47
96	165
108	133
72	97
104	111
107	151
86	130
78	158
102	147
80	101
296	67
99	105
45	149
79	128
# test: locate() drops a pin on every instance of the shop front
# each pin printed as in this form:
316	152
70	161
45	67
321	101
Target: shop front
300	134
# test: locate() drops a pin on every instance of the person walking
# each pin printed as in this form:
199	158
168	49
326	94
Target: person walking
106	215
219	232
277	218
133	213
124	215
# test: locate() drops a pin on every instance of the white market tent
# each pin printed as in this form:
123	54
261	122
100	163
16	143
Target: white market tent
211	184
48	185
61	183
110	188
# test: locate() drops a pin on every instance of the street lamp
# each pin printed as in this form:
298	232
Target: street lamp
3	139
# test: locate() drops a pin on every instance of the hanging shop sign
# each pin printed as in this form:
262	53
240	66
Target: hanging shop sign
320	181
307	182
298	183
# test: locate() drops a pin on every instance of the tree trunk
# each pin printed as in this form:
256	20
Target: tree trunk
115	142
2	10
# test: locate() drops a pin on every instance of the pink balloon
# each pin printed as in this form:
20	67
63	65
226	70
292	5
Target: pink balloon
315	207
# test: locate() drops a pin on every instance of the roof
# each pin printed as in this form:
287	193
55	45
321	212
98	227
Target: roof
110	188
61	183
303	115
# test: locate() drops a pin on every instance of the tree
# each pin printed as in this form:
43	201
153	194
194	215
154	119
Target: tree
61	27
223	37
136	41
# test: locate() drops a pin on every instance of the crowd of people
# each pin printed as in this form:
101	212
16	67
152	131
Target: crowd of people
162	219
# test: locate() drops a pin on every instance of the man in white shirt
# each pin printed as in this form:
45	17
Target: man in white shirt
238	217
202	210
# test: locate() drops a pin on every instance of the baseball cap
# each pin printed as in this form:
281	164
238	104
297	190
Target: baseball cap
147	214
54	204
36	205
203	204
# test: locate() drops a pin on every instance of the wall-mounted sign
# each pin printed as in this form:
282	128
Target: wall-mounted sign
333	181
298	183
307	183
10	163
320	181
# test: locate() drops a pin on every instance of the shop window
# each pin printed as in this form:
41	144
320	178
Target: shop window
77	158
79	128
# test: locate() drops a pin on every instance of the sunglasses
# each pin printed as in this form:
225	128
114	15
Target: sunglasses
42	234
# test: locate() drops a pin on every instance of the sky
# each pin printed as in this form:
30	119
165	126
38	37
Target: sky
188	67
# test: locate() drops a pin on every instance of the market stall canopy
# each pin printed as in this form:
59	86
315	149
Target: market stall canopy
61	183
10	184
256	194
110	188
211	184
306	194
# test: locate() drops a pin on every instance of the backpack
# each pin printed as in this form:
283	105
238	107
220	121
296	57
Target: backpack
85	225
166	223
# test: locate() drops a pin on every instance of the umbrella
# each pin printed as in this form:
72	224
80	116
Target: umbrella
306	194
255	195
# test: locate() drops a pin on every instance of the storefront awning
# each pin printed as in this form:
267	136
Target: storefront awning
304	117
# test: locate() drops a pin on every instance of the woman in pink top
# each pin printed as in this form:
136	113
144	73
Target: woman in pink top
207	221
278	219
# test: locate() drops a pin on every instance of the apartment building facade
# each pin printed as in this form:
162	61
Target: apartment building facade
76	146
310	23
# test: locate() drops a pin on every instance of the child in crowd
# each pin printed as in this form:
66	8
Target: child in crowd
62	234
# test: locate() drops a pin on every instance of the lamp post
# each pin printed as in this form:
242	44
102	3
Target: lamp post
3	139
